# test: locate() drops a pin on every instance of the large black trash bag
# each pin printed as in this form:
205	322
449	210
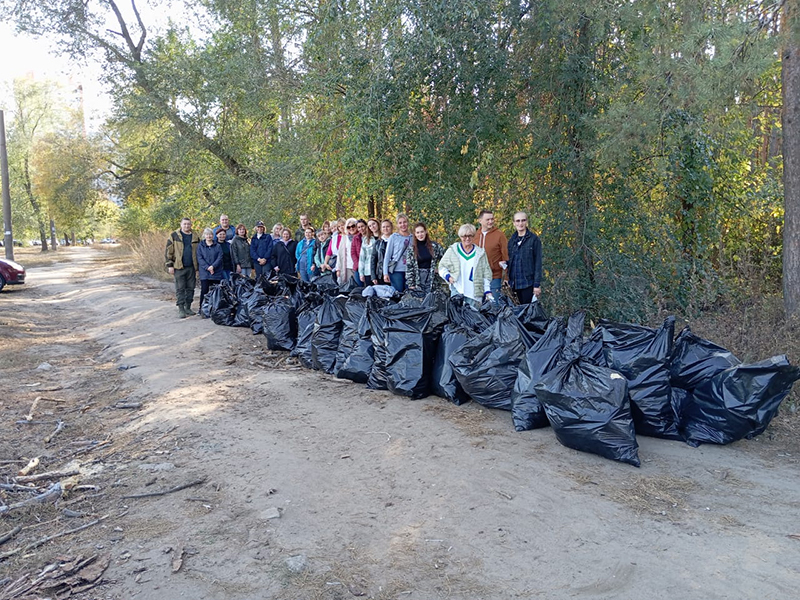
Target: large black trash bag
592	349
358	363
526	410
736	403
492	309
326	282
533	317
219	304
279	324
465	323
325	336
306	317
695	360
589	409
412	330
244	289
487	366
642	355
378	375
256	302
354	309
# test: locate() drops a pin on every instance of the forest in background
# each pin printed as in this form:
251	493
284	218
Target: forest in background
643	137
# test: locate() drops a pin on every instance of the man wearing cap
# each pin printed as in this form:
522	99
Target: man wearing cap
181	262
225	223
495	244
261	250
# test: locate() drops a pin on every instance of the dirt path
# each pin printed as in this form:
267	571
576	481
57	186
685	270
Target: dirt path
377	496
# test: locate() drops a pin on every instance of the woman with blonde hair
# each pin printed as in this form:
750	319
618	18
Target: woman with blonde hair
332	254
345	265
466	269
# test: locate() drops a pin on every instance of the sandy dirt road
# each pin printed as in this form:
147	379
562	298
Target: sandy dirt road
318	488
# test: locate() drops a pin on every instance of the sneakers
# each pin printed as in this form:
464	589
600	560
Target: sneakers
188	309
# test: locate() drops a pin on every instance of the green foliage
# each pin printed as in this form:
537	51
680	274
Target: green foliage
643	138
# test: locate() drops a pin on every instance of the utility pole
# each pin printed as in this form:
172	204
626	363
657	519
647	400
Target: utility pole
9	237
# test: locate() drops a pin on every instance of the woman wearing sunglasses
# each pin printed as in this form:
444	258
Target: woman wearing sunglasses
524	261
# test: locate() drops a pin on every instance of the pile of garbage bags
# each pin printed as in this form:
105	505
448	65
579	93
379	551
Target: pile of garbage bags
597	391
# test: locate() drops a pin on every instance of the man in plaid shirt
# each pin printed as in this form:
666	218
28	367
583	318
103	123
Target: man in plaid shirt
525	261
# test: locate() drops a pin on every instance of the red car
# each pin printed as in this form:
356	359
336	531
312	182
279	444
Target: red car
11	273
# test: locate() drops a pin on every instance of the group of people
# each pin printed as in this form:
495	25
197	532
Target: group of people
364	252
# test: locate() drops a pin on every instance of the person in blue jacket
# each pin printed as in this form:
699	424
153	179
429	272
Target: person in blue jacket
261	250
305	254
209	263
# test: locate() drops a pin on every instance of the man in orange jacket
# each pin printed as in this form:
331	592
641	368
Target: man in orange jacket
495	244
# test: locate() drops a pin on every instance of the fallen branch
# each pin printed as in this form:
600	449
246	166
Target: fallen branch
29	416
50	538
58	428
48	475
127	405
10	535
169	491
32	464
53	493
13	487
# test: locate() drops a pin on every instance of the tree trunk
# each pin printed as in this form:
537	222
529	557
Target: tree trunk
53	244
790	84
37	209
371	206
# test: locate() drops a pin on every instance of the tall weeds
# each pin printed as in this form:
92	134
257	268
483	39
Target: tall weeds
147	252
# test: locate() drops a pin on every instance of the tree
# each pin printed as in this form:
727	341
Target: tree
790	77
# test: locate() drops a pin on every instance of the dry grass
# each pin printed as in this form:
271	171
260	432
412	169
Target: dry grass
32	257
147	255
659	495
470	418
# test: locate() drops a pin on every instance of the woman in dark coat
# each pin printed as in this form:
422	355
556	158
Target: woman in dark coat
525	261
209	261
422	260
283	254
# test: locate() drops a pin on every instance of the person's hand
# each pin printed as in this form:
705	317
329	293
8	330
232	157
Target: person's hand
277	269
211	269
504	264
374	282
488	297
313	267
238	268
171	270
363	279
386	279
537	291
449	278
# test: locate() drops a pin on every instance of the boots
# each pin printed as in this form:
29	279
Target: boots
188	309
182	311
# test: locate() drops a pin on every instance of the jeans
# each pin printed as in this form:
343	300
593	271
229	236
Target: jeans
246	272
357	279
226	275
496	286
398	280
185	280
304	275
262	270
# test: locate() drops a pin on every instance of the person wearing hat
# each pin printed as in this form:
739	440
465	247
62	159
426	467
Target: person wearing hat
261	250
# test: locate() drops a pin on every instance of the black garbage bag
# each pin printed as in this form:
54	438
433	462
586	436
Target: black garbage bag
492	309
589	409
642	355
533	317
487	366
736	403
592	348
354	309
695	360
306	317
461	312
378	376
443	379
219	304
326	282
279	324
256	302
411	332
358	363
244	288
325	336
526	410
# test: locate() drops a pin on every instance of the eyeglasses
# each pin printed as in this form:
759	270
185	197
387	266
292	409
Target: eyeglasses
467	235
520	220
351	226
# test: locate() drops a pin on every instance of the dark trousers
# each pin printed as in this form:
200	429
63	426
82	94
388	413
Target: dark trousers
205	285
185	280
524	295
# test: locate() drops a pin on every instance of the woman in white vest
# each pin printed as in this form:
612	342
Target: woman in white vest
466	269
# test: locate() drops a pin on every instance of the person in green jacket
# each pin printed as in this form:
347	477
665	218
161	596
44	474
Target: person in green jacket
181	262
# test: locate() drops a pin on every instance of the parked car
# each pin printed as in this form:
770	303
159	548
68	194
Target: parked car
11	273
